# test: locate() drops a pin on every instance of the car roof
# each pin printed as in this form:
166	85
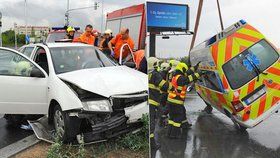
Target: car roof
10	49
66	44
57	31
56	45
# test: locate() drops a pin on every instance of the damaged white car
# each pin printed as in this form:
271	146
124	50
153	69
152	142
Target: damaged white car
76	86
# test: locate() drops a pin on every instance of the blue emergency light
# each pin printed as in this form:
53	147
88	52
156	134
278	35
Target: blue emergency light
243	22
64	28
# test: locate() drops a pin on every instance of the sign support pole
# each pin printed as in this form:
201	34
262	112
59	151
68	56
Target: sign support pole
152	42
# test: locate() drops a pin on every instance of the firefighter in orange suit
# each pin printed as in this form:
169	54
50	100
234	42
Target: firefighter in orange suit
176	98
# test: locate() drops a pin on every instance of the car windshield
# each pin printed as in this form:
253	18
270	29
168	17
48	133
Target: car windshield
67	59
56	36
249	64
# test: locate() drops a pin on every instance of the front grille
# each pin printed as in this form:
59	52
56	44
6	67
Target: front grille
123	101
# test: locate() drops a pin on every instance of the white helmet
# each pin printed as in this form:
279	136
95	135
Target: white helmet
108	31
164	66
153	63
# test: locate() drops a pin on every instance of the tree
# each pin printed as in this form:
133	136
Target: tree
32	32
8	38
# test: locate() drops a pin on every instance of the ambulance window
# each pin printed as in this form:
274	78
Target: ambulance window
211	80
244	67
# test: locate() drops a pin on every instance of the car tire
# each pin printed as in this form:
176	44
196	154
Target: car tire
238	126
208	109
66	127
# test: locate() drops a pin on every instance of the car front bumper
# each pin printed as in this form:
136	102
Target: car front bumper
112	127
116	125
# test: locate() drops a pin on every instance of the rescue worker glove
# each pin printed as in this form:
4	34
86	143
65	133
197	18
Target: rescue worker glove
196	66
112	53
200	72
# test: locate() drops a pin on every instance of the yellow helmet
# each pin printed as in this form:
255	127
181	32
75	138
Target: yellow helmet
69	29
152	63
182	67
173	63
164	66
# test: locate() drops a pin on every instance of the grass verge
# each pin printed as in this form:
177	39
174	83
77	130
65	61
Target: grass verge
130	145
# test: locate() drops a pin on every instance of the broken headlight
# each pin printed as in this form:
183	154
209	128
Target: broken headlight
98	106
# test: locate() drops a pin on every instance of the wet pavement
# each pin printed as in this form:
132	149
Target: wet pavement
10	135
214	136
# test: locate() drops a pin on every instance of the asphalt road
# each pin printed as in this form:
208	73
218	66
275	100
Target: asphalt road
214	136
10	135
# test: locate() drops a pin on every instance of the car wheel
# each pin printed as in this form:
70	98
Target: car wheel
238	126
208	109
66	127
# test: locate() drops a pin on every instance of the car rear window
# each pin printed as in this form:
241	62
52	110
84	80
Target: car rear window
242	68
56	36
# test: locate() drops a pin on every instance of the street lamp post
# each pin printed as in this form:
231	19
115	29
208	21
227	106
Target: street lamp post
15	29
25	14
0	29
67	14
102	16
67	19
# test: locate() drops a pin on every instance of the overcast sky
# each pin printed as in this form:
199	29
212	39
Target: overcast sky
51	12
262	14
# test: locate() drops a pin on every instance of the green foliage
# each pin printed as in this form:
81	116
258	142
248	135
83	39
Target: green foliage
140	140
59	150
8	38
135	142
81	152
55	150
32	32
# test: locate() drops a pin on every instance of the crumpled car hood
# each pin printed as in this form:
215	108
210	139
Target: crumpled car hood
108	81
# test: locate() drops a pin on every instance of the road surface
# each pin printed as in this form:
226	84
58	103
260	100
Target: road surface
214	136
10	135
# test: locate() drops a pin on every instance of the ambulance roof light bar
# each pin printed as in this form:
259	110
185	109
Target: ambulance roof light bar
226	32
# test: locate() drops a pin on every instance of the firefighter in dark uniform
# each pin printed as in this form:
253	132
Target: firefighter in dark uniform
208	109
156	85
167	71
164	71
176	98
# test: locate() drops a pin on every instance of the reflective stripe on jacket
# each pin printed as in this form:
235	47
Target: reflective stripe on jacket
156	85
178	95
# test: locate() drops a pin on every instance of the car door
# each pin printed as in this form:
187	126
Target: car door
129	57
19	92
213	88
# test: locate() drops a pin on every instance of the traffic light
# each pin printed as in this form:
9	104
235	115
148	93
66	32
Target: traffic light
95	5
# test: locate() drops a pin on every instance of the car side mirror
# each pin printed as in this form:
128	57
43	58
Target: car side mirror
130	64
35	72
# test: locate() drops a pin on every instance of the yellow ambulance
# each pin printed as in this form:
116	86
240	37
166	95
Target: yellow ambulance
242	74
